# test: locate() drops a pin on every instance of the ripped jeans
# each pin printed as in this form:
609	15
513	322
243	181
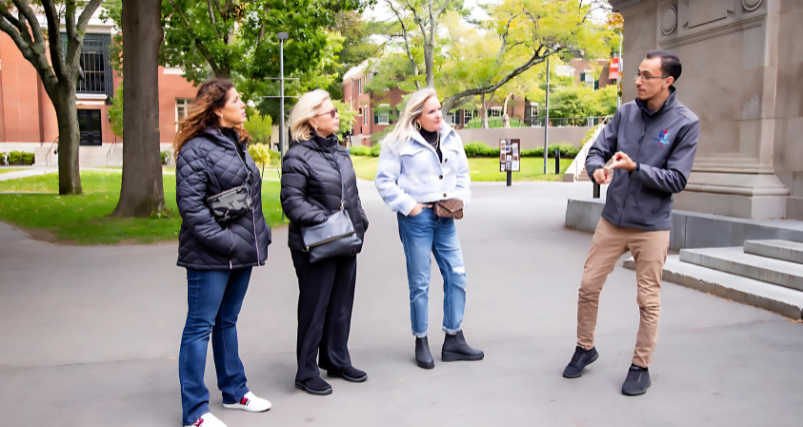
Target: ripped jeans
421	235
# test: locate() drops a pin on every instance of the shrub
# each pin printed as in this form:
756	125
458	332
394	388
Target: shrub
474	149
567	151
264	156
375	150
27	158
15	158
165	155
360	150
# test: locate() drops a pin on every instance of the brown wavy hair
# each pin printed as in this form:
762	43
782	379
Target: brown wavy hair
213	94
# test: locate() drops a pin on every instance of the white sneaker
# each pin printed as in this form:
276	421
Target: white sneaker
250	403
208	420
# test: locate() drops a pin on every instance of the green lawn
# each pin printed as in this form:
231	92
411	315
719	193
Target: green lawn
7	170
84	219
482	169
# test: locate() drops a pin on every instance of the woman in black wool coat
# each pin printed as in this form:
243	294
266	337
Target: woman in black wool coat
211	158
315	171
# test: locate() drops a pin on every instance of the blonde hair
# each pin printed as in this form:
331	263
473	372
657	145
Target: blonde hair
405	128
305	109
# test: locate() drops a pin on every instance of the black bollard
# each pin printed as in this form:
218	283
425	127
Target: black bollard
509	178
596	190
557	162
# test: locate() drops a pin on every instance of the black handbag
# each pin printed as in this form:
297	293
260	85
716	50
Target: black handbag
232	203
336	235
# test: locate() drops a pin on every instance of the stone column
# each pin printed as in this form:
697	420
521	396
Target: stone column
730	56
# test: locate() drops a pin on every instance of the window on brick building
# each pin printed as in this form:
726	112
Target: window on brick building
182	107
384	114
94	60
468	115
451	118
495	112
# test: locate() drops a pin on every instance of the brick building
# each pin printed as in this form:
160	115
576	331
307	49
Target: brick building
28	119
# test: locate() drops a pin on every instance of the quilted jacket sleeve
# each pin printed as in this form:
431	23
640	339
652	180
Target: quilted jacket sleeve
295	175
191	188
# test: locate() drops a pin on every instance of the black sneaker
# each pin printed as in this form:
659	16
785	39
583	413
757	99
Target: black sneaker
637	382
350	374
580	360
315	385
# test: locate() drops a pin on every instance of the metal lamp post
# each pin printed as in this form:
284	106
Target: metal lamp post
282	37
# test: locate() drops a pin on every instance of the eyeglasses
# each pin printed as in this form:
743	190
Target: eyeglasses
332	113
636	75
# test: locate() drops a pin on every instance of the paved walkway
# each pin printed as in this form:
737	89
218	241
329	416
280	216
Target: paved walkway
26	172
89	336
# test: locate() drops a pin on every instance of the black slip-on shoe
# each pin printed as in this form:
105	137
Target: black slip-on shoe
350	374
580	360
455	348
637	381
315	385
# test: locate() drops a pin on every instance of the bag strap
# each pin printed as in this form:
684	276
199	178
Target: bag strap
342	183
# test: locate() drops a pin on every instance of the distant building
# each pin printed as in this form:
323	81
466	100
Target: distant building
377	111
28	119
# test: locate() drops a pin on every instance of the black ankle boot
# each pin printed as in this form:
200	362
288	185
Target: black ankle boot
422	355
456	348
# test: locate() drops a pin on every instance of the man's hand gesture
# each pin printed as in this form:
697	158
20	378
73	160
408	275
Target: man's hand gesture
622	161
603	176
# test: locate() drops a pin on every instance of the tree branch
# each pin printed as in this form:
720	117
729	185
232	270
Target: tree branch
533	60
198	43
56	55
36	29
86	15
407	47
502	48
212	17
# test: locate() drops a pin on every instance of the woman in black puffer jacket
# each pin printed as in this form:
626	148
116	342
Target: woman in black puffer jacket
211	158
314	172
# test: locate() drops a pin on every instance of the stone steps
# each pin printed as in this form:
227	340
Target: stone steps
735	261
784	301
777	249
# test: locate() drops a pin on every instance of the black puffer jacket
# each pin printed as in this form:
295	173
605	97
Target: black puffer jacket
205	166
311	187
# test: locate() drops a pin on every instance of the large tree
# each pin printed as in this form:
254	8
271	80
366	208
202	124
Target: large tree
59	68
237	39
142	192
466	60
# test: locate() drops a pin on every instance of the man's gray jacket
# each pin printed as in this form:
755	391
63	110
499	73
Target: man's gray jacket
663	144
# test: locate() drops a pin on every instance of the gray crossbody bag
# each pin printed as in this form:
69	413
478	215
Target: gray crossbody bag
336	235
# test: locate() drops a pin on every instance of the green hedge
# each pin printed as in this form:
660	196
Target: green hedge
360	150
17	158
479	149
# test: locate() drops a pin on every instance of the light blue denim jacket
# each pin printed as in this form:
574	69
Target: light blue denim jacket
413	174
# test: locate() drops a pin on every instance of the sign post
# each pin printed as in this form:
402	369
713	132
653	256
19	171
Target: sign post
509	158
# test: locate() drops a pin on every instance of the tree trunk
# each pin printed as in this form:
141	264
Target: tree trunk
142	192
69	139
483	112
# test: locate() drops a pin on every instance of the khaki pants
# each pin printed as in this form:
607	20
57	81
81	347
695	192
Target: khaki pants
649	249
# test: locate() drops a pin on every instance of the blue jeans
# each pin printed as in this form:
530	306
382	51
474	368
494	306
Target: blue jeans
421	235
214	298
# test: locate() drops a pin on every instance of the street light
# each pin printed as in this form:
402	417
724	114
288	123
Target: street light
282	37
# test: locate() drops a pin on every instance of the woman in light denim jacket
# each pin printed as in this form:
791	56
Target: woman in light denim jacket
423	161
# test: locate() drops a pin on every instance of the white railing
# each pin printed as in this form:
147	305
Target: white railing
578	164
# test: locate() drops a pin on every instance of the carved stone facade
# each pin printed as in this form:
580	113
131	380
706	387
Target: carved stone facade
743	77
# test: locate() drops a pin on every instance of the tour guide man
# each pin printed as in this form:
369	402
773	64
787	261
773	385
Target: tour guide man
652	141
